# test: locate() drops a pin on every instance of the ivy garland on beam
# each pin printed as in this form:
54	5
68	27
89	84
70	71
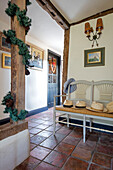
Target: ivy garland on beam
24	21
23	49
9	102
13	10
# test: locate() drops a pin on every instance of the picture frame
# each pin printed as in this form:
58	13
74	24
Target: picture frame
4	46
6	60
37	56
94	57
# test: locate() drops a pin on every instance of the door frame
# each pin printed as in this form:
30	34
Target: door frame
59	71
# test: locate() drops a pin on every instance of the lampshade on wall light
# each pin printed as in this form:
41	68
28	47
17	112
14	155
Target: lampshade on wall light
90	32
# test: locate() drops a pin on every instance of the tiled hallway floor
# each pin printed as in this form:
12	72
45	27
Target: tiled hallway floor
66	149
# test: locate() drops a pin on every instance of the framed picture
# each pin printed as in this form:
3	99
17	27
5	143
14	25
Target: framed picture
4	46
6	60
94	57
37	56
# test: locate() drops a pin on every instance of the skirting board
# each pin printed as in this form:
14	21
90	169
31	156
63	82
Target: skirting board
97	125
36	111
30	113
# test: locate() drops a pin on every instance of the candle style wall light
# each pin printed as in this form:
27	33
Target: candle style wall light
90	32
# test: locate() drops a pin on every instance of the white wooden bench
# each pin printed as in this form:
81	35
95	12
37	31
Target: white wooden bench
101	91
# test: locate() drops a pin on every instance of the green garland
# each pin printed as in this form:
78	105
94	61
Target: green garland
11	38
9	102
11	10
23	49
24	21
28	2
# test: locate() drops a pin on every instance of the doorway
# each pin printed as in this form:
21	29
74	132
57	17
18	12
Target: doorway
54	62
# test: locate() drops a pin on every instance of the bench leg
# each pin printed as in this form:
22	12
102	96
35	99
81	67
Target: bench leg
67	120
54	121
91	120
84	129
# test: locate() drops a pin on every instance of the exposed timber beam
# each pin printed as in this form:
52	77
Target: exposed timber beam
65	59
17	67
54	13
100	14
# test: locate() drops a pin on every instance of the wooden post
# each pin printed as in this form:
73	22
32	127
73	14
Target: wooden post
17	67
65	59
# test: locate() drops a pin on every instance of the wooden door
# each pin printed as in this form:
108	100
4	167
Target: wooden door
53	77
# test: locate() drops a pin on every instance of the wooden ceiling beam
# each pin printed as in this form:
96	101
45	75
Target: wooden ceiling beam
54	13
100	14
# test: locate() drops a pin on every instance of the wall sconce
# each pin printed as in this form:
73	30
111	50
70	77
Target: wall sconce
90	32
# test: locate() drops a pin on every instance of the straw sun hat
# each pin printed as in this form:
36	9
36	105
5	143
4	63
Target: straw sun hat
80	104
68	103
97	107
109	107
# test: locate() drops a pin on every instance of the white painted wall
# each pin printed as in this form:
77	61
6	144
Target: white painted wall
35	83
5	77
79	43
14	150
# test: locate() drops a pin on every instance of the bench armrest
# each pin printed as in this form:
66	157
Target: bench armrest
58	96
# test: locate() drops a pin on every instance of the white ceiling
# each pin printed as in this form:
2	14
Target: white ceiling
76	10
45	29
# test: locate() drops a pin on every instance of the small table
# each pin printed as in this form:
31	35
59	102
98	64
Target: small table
85	114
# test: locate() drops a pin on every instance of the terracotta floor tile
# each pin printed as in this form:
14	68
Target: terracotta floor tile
39	121
48	123
35	130
82	153
45	133
37	139
45	166
76	134
64	143
33	120
64	131
97	167
93	138
29	127
59	125
56	159
106	134
49	143
106	140
57	137
42	126
101	159
28	164
70	127
71	140
78	129
32	146
94	133
51	128
31	135
32	124
75	164
46	118
105	149
88	145
65	148
39	152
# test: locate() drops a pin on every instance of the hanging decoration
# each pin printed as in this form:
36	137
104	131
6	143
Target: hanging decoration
24	21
